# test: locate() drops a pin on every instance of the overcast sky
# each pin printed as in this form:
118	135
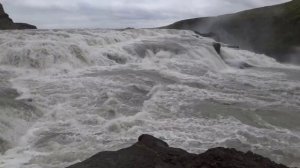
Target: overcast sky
120	13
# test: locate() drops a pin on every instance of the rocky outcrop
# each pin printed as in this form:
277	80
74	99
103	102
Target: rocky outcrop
217	47
150	152
7	23
273	30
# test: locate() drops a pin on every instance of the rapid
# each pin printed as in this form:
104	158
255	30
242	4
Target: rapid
68	94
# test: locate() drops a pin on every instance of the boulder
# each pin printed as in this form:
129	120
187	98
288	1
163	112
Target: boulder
151	152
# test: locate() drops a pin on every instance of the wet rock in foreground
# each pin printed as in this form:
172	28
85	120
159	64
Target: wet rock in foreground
150	152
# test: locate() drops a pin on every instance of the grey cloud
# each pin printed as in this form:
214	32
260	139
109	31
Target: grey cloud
120	13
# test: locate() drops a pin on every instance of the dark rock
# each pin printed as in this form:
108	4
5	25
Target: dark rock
150	152
231	158
272	30
217	47
151	141
7	23
25	26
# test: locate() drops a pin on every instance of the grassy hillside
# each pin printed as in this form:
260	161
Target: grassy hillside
273	30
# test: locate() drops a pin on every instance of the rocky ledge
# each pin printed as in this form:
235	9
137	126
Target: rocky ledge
150	152
6	23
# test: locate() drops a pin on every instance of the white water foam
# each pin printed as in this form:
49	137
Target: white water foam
96	90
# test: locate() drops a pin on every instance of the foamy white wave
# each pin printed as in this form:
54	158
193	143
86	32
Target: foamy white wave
76	48
85	91
236	57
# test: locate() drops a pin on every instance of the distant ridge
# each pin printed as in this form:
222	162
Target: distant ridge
272	30
7	23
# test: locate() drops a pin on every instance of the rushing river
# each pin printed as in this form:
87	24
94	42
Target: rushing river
68	94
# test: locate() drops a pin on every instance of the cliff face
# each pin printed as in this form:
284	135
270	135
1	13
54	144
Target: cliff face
273	30
7	23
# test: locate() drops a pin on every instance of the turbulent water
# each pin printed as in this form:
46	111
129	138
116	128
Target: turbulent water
68	94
